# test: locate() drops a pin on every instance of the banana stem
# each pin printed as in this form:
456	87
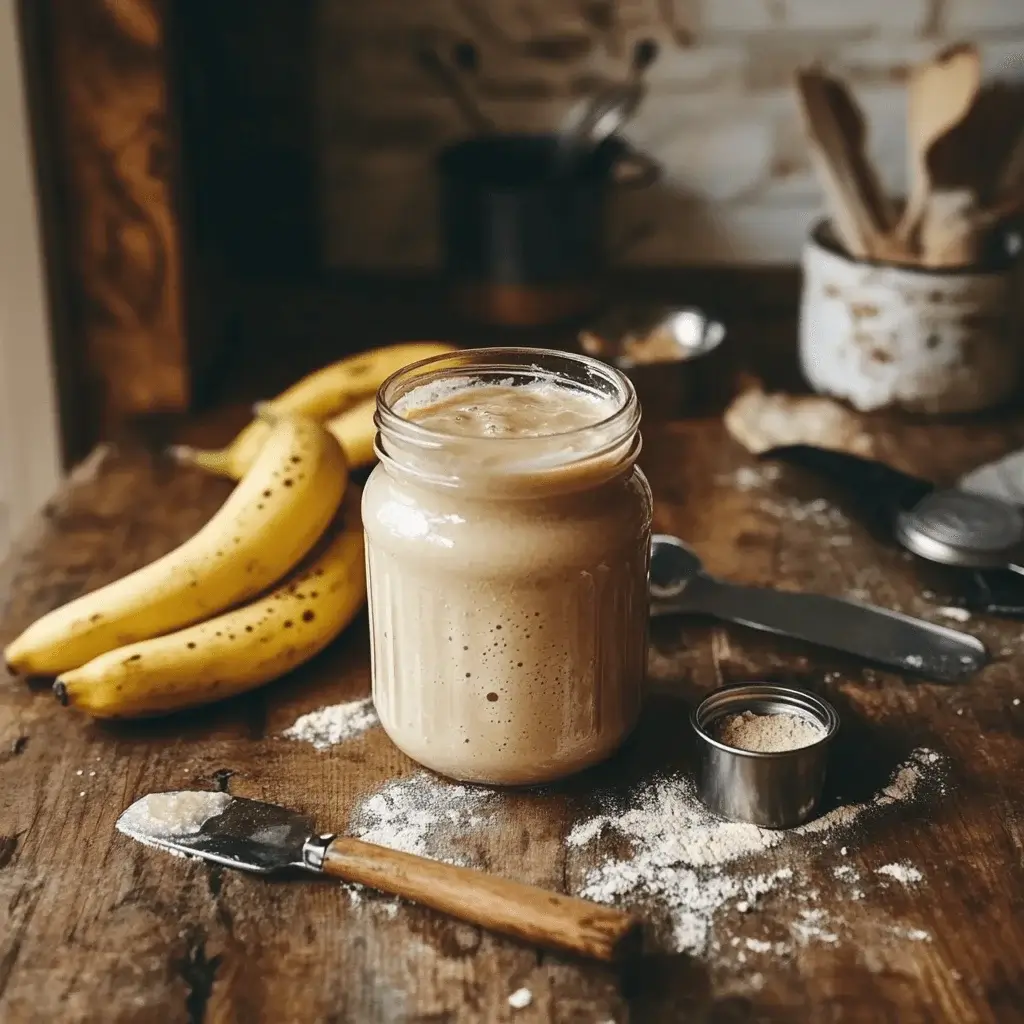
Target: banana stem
213	460
265	412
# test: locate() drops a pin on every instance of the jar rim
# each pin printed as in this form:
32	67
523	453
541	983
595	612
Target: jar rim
493	360
403	445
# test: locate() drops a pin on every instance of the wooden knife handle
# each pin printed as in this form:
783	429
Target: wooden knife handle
525	911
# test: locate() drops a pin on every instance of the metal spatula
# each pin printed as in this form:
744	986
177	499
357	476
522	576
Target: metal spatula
265	839
679	585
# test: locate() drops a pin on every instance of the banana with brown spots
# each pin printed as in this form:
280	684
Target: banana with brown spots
239	650
265	528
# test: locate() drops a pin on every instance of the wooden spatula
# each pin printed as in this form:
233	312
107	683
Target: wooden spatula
940	93
850	119
835	128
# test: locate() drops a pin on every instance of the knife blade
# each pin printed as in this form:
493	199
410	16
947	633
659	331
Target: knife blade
264	839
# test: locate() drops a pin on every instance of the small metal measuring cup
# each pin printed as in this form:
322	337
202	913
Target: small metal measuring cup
772	789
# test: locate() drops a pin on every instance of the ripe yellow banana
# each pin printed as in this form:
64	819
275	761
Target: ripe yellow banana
266	526
353	428
319	396
239	650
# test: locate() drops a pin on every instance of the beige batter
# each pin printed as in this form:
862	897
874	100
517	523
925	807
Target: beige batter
509	633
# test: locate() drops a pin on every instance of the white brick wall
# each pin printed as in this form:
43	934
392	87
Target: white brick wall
979	16
719	116
895	17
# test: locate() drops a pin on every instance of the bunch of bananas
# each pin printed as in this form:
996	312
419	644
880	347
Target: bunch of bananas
201	624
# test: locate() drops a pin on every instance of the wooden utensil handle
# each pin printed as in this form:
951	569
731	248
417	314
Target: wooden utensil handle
525	911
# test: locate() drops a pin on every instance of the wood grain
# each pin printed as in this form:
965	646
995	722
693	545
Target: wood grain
116	149
98	928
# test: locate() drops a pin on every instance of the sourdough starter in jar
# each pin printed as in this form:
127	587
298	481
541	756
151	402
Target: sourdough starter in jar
508	534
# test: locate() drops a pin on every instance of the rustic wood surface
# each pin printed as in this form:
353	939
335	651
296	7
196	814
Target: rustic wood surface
98	928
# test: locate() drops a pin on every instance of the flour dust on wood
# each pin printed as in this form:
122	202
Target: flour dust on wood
683	866
424	815
686	865
336	723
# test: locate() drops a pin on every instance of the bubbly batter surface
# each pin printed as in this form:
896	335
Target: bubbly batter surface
496	411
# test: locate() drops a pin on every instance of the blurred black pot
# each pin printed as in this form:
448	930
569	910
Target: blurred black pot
523	242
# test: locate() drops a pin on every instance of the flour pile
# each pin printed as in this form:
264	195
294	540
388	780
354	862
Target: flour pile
768	733
334	724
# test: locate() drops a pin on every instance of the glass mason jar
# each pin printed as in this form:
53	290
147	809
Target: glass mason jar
507	570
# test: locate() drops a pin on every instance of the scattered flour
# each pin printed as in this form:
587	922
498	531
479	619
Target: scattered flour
817	512
906	874
165	815
751	478
520	999
334	724
684	866
681	856
912	935
810	926
422	814
954	613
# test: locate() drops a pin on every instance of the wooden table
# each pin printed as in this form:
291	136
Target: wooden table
98	928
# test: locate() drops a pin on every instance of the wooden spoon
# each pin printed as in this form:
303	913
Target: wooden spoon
835	128
940	93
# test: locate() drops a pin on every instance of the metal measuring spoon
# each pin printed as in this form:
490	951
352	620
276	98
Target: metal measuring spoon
595	119
679	585
972	531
